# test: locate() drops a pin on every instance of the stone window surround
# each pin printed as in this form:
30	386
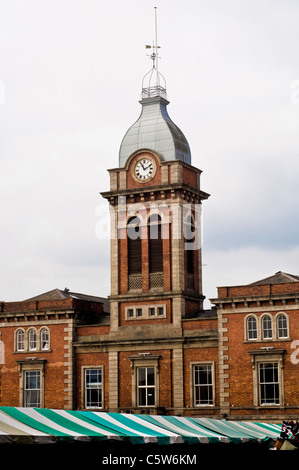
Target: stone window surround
144	360
30	365
83	369
26	340
259	319
270	356
199	363
145	311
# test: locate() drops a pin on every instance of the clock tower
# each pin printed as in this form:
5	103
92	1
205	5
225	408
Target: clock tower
155	205
155	201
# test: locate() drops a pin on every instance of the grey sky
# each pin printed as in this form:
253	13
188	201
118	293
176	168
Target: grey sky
70	81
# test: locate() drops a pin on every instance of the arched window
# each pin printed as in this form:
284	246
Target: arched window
189	236
45	339
134	253
155	247
32	339
282	326
267	327
20	340
155	244
251	328
134	246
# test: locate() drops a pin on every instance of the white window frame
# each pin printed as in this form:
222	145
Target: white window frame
100	387
146	387
266	329
266	383
44	330
32	343
271	356
144	360
27	391
17	341
274	327
31	365
248	318
193	385
282	314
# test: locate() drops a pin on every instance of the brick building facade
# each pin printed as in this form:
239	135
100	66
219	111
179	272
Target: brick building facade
58	351
258	347
37	353
152	347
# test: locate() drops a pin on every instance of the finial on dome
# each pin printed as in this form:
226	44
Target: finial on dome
153	83
154	130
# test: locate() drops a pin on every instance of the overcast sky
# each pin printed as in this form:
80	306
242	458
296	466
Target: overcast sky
70	80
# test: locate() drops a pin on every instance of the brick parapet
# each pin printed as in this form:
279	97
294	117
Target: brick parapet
245	291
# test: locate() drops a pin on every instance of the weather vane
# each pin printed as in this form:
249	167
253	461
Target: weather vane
154	77
154	55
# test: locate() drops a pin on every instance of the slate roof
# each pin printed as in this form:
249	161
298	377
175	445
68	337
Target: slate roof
57	294
209	313
154	130
277	278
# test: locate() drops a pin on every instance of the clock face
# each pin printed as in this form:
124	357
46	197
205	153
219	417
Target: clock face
144	169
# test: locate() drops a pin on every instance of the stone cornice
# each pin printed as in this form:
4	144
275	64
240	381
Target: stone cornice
156	294
162	163
190	191
34	315
241	304
117	342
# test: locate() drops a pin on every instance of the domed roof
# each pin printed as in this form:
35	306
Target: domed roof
154	130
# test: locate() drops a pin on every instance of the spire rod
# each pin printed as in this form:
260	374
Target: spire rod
153	77
156	46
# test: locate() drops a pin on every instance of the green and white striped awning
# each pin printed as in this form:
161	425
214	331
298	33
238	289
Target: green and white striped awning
43	426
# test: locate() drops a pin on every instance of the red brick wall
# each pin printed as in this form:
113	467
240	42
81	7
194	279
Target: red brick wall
202	324
191	307
199	355
149	321
54	367
189	176
240	365
97	359
125	379
12	307
89	330
267	289
165	378
167	254
9	388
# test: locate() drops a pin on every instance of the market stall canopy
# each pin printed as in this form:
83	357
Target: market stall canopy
45	426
